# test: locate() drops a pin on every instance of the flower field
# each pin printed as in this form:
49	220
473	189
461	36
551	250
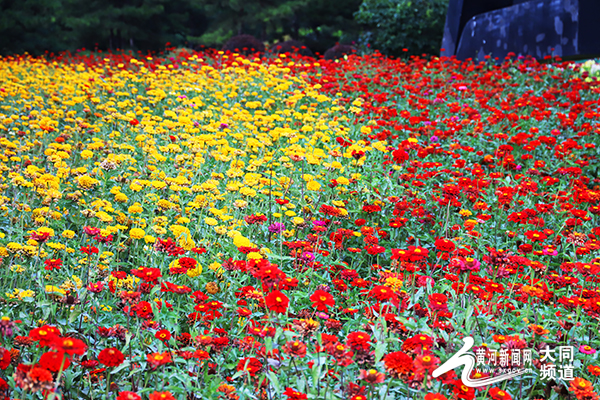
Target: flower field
213	226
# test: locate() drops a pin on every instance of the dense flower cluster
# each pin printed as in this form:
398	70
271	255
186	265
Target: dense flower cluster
221	225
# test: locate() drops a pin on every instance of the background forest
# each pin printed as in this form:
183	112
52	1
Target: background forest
38	26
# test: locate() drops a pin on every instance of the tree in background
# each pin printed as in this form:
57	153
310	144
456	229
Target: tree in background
264	19
323	23
394	25
143	24
317	23
37	26
31	26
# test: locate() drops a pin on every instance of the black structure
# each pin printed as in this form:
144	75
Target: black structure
564	28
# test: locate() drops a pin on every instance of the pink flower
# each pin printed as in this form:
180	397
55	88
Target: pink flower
585	349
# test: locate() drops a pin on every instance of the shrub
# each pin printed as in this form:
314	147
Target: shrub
394	25
338	51
244	44
292	46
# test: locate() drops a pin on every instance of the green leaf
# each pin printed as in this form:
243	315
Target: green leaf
275	382
380	351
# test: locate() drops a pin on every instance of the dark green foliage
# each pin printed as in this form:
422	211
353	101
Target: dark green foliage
324	23
57	25
264	19
37	26
394	25
30	25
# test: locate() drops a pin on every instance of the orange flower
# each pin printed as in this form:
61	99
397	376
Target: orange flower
158	359
538	329
581	387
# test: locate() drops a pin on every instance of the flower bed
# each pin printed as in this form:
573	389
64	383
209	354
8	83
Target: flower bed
217	226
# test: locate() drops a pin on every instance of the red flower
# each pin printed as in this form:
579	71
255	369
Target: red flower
445	245
143	309
499	394
461	391
293	394
435	396
417	254
53	361
163	335
51	264
295	348
426	362
69	345
372	376
40	237
89	250
359	341
398	364
4	358
438	302
322	300
111	357
40	377
45	335
417	342
594	370
157	359
277	302
581	387
536	236
375	249
249	364
162	396
399	156
128	396
382	293
187	262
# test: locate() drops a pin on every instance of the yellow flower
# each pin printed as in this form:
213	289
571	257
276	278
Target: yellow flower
297	220
121	198
86	154
465	213
394	283
210	221
135	208
13	247
342	181
215	266
17	268
104	217
313	186
241	241
55	290
254	256
192	273
137	233
86	182
45	229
